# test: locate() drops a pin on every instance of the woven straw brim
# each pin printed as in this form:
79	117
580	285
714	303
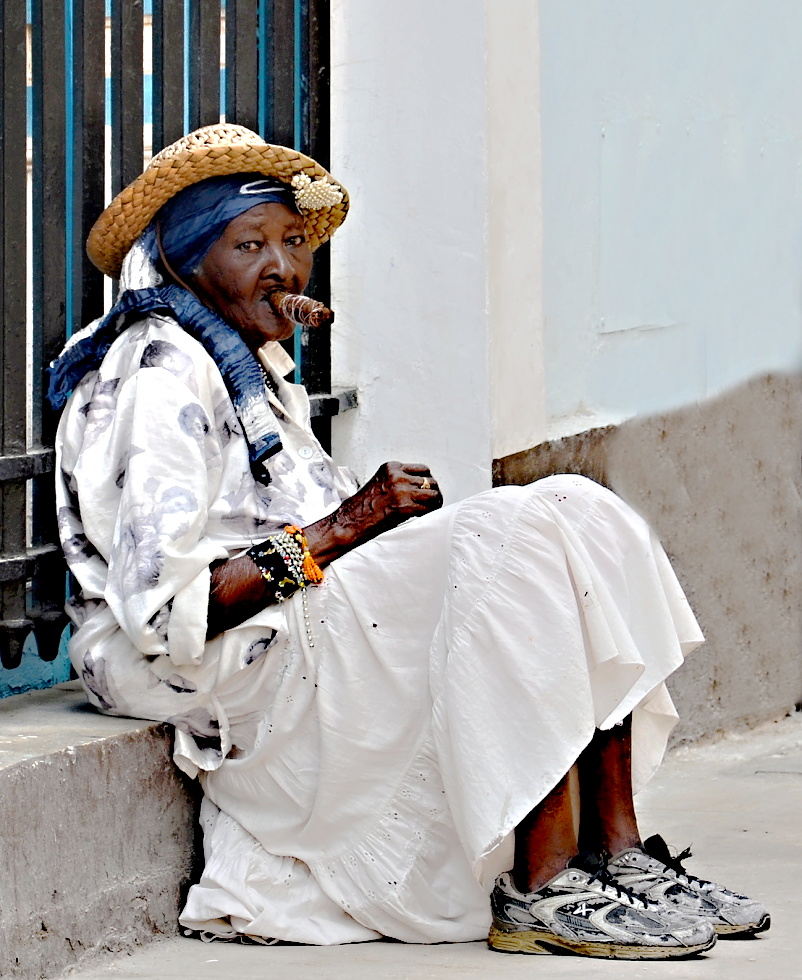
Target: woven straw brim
129	214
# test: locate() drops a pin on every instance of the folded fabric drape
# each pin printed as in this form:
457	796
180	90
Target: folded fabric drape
241	372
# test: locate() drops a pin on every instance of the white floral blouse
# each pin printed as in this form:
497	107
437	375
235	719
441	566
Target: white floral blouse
152	440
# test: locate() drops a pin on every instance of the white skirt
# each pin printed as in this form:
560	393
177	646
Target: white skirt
460	665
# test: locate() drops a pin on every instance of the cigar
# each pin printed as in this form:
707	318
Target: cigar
308	312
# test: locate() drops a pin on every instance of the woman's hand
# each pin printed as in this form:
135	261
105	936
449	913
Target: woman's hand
396	492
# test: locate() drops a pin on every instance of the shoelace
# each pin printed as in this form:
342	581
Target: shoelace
676	865
606	879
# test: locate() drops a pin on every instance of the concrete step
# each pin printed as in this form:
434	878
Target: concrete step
97	833
97	845
737	801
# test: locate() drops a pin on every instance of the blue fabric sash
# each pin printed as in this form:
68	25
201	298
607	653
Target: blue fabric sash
241	372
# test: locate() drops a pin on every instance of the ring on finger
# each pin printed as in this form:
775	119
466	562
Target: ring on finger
426	485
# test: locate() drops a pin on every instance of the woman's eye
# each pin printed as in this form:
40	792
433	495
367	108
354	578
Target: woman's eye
295	240
249	246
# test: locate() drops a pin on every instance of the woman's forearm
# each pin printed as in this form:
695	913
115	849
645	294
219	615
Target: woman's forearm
397	491
239	590
352	524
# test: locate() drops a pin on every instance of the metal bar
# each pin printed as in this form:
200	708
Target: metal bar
48	281
46	598
168	72
13	142
263	64
47	327
279	92
300	58
315	141
242	68
14	567
204	63
126	92
299	82
277	101
22	466
48	274
13	271
48	287
334	403
86	123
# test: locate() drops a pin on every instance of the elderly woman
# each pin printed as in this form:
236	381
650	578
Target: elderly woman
382	697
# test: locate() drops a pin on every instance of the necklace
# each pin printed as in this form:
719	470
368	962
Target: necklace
269	381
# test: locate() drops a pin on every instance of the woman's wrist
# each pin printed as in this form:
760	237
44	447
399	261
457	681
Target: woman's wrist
351	525
269	572
237	592
285	562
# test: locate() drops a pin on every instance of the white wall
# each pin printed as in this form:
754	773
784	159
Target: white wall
672	195
670	141
514	241
427	98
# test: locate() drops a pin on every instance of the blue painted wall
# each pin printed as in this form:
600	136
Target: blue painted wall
33	673
672	189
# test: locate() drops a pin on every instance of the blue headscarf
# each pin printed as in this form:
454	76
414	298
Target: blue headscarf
188	225
192	221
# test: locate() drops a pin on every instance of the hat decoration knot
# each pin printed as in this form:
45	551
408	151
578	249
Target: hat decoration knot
311	195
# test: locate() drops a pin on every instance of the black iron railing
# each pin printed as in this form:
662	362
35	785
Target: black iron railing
75	127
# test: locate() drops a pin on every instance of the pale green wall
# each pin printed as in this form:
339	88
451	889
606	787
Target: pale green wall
672	201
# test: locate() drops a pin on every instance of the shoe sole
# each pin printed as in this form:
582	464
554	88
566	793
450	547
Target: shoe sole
726	931
541	941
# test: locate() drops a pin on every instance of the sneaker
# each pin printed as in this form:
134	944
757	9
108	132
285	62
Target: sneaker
652	871
584	911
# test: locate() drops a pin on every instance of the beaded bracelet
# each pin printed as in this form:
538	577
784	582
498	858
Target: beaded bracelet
285	561
309	567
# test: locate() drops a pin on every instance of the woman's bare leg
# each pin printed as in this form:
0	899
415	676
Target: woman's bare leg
607	819
545	840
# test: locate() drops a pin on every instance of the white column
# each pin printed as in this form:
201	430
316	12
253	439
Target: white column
435	273
514	252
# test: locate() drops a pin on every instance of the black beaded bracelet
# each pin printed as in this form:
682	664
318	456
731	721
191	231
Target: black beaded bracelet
273	565
286	563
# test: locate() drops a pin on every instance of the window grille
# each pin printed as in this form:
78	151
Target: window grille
90	90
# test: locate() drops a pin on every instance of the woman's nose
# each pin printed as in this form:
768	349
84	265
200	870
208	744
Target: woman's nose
275	262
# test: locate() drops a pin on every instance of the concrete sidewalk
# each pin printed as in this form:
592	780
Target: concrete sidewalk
737	801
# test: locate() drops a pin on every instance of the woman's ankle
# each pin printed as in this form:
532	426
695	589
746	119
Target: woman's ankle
613	842
531	879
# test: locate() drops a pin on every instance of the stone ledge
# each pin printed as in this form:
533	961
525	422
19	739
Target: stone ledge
719	483
97	833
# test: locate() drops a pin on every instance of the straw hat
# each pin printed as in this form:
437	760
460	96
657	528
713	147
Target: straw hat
210	152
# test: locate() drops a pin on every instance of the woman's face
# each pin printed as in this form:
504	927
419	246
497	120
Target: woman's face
260	250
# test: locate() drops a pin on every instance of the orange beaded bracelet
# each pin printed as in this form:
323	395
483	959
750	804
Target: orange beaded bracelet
311	569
